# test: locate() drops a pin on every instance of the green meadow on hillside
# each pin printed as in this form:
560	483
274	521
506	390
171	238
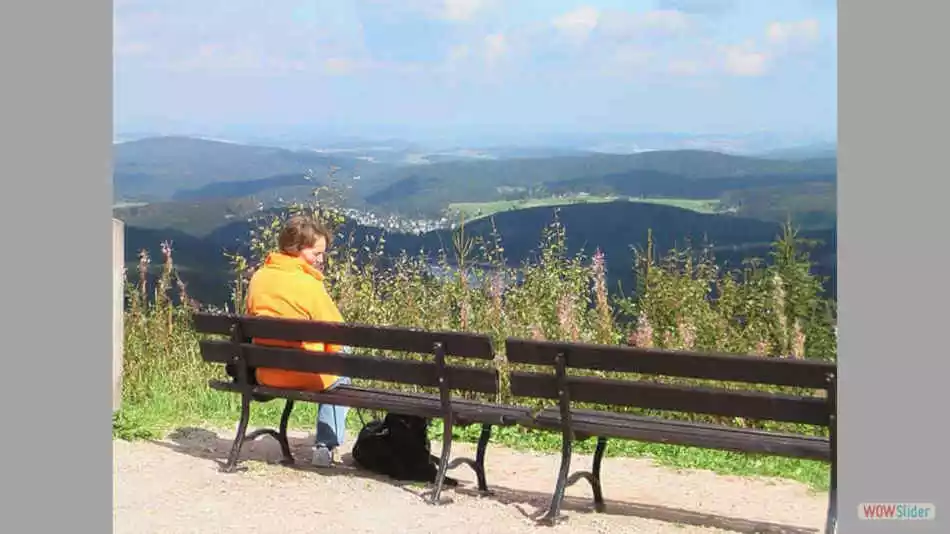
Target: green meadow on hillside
477	210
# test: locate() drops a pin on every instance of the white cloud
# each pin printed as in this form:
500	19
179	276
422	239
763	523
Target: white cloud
622	42
744	61
339	66
669	20
456	61
137	33
127	49
751	58
459	53
444	10
462	10
790	33
684	67
627	25
577	24
474	59
631	56
496	45
705	7
222	58
625	61
346	66
580	23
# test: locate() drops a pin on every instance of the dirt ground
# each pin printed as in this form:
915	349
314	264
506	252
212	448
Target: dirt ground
174	486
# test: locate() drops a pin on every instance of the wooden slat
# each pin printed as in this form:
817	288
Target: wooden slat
351	334
711	401
657	430
712	366
354	366
427	405
212	323
350	396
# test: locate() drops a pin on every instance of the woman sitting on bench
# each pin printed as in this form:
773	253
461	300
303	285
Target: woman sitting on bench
290	285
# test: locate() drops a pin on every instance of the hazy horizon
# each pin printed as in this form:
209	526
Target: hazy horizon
477	70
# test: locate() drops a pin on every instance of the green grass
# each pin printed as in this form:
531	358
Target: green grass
477	210
692	204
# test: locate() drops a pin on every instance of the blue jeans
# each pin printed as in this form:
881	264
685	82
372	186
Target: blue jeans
331	420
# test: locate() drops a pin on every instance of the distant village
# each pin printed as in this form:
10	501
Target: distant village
394	223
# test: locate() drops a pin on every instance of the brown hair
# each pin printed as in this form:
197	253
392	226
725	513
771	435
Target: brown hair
300	232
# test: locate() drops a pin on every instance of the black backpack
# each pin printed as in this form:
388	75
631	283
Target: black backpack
398	447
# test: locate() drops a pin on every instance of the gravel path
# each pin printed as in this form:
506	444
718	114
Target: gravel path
173	486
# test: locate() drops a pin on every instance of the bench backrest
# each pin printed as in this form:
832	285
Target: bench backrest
728	401
238	349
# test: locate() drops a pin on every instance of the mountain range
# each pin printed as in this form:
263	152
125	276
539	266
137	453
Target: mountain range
199	193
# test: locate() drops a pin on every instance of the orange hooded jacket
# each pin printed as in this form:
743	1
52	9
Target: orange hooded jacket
287	287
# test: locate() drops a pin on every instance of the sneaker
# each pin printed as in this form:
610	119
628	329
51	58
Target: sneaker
322	457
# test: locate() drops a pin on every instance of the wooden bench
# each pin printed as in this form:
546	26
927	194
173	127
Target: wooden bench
736	401
433	371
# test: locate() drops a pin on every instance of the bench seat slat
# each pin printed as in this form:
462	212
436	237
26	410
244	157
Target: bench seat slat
655	430
421	404
695	399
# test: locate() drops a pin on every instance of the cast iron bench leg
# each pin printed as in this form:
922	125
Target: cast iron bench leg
477	465
443	460
280	436
554	510
593	477
831	527
283	439
241	431
483	439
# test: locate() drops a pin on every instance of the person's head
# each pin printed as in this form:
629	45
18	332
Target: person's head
305	238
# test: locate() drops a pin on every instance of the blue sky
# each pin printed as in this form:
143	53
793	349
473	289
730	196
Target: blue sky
699	66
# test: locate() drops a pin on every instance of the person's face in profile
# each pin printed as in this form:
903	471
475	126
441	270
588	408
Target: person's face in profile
316	255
